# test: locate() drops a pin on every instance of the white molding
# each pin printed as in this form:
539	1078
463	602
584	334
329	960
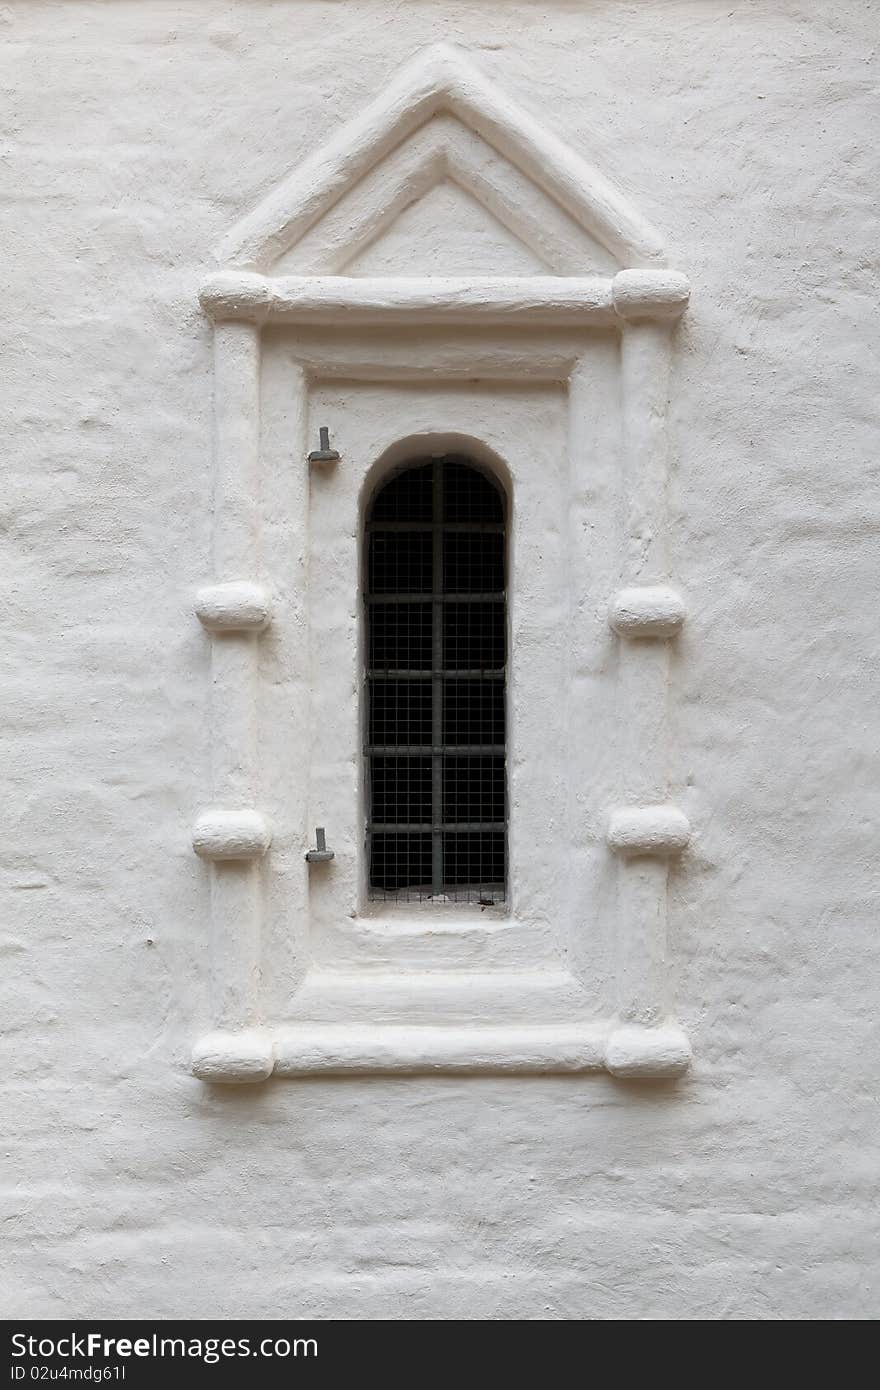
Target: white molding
245	1056
497	996
647	831
376	1049
637	1052
362	355
647	611
223	833
234	839
440	79
379	301
236	606
656	830
650	294
444	151
348	1049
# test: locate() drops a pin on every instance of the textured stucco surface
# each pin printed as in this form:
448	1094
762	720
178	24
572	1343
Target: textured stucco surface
133	135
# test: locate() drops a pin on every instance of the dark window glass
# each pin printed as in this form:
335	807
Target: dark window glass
474	636
400	790
436	688
473	711
400	712
400	562
473	564
400	636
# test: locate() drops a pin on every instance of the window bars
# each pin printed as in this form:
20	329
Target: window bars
436	667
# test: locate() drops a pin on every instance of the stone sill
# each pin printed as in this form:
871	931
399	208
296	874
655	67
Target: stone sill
351	1049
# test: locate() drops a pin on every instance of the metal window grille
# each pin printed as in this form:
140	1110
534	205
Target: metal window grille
436	626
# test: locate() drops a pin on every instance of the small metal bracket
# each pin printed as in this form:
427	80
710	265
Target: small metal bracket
323	454
321	854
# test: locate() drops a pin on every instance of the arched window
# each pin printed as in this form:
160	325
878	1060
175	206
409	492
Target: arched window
436	654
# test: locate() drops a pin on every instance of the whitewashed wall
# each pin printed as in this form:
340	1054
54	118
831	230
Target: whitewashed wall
134	135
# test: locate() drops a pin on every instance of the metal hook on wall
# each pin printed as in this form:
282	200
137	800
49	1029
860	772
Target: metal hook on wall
323	454
320	854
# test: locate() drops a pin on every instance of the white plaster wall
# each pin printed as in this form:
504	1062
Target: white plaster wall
134	135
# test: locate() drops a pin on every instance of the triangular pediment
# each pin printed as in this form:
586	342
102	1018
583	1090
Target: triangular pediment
441	162
442	139
446	232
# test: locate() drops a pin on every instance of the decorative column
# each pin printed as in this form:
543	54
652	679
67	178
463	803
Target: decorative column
232	834
646	613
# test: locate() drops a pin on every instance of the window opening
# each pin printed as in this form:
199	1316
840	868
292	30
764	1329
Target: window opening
436	625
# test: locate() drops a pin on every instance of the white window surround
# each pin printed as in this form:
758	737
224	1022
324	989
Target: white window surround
523	328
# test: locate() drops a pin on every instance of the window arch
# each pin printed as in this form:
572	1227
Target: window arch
436	651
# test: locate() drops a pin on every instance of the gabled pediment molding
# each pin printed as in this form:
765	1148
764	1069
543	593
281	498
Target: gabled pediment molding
444	151
475	113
